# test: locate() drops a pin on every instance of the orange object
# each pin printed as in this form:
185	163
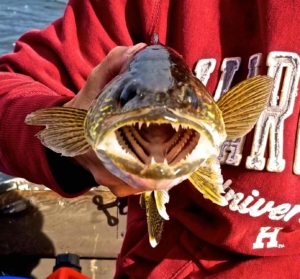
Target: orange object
66	273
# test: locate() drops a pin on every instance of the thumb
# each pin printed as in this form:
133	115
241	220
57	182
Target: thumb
113	63
102	74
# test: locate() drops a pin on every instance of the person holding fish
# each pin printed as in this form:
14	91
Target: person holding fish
137	120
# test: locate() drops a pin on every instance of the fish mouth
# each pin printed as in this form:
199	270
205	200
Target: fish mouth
156	143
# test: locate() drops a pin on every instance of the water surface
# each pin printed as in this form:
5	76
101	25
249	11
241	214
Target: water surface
19	16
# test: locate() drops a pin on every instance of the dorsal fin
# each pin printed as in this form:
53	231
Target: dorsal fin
154	39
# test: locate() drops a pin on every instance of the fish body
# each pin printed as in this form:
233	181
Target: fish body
155	125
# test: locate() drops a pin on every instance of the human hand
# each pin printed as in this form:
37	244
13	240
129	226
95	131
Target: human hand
98	78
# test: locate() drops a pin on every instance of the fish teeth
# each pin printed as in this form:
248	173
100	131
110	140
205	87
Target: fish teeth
182	161
188	156
152	161
140	125
124	152
175	127
147	124
165	161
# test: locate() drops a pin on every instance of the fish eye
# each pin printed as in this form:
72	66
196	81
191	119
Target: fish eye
128	93
190	97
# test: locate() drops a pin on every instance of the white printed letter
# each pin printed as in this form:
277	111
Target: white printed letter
204	68
231	150
296	167
271	121
265	233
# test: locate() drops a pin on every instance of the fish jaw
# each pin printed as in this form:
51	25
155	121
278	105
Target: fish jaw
136	181
155	170
154	174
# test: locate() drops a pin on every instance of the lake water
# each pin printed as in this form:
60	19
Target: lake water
19	16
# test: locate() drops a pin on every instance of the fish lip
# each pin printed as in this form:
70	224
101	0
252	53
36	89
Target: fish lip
157	171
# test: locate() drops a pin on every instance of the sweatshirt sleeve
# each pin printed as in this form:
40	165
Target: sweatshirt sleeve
47	68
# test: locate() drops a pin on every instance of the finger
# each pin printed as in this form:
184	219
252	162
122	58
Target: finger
123	191
110	67
114	61
102	74
102	176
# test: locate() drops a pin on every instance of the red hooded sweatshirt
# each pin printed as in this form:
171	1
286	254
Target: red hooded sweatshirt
257	233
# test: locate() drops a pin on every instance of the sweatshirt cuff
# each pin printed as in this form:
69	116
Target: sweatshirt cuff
72	178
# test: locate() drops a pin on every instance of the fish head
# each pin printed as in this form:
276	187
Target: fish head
155	123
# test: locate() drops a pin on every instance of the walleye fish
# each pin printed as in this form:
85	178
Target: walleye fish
155	125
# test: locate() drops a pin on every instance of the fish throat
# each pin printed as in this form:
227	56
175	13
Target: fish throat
153	143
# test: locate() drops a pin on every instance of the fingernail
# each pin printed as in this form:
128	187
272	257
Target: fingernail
135	48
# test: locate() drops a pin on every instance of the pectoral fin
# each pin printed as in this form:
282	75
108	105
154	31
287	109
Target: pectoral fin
161	198
209	181
154	220
64	132
242	105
